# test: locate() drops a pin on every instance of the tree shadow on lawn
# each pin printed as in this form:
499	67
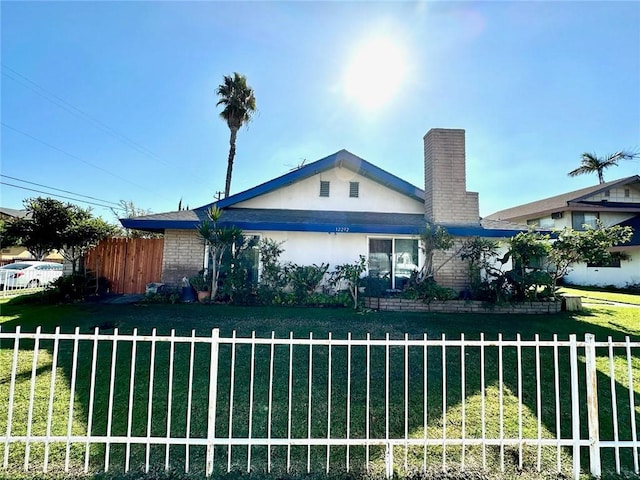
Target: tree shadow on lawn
185	318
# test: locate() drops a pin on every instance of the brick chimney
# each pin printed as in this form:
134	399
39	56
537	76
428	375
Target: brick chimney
446	198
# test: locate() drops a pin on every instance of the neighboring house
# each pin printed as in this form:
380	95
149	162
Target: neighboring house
611	203
11	254
340	207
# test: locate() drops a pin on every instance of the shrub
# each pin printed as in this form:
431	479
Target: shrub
427	290
374	286
304	280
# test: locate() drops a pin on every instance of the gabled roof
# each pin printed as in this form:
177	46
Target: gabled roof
343	159
255	219
566	200
15	213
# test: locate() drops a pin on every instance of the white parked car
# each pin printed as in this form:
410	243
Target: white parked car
29	274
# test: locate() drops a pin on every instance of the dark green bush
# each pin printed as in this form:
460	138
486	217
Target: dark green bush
427	290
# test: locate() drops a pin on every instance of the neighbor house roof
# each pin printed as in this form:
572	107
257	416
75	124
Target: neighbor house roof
317	220
574	200
12	212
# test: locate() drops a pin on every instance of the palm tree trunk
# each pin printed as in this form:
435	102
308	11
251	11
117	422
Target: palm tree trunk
232	154
601	175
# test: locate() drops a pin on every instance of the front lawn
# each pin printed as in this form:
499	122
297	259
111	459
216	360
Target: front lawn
590	294
603	321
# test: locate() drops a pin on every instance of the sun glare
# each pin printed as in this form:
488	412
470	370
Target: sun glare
375	73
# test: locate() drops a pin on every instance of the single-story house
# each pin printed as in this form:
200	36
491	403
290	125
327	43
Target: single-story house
612	203
340	207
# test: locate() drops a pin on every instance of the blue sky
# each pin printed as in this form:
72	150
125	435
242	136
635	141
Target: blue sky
116	100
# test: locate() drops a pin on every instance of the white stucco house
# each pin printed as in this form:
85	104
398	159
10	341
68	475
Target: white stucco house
612	203
340	207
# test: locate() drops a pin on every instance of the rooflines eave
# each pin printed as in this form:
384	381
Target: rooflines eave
341	158
608	186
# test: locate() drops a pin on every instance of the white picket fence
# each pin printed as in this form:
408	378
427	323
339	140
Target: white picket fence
106	401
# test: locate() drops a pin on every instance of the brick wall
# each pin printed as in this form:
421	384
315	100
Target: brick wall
461	306
453	272
447	200
446	196
183	255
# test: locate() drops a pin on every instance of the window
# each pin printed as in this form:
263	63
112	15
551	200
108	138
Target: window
393	260
612	262
627	193
354	189
247	259
607	193
324	188
580	219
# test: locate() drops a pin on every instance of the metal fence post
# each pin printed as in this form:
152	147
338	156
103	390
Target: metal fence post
213	394
592	405
388	460
575	405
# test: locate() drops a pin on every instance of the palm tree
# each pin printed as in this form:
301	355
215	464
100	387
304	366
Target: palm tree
239	106
592	163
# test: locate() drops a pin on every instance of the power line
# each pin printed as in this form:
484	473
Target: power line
74	157
60	196
58	189
60	102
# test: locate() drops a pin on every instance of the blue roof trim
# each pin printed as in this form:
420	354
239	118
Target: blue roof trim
479	231
342	158
455	230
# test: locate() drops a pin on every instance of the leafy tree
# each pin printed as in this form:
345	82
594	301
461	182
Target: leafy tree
351	273
486	278
273	274
83	232
239	104
591	163
41	232
128	209
433	238
54	225
590	246
7	238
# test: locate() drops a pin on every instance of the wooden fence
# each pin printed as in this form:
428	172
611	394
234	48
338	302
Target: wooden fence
128	263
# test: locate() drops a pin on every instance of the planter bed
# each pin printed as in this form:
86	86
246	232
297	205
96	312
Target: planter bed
460	306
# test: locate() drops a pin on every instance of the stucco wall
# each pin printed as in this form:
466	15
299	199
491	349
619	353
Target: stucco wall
305	194
628	273
183	255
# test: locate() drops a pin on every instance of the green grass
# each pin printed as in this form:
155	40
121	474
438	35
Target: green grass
590	294
604	321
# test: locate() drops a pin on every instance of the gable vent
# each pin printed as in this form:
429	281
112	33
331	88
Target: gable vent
354	189
324	188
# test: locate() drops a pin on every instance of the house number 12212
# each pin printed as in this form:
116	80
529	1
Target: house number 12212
342	229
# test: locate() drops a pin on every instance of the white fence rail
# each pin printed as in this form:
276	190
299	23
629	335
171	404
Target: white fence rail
97	401
28	280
